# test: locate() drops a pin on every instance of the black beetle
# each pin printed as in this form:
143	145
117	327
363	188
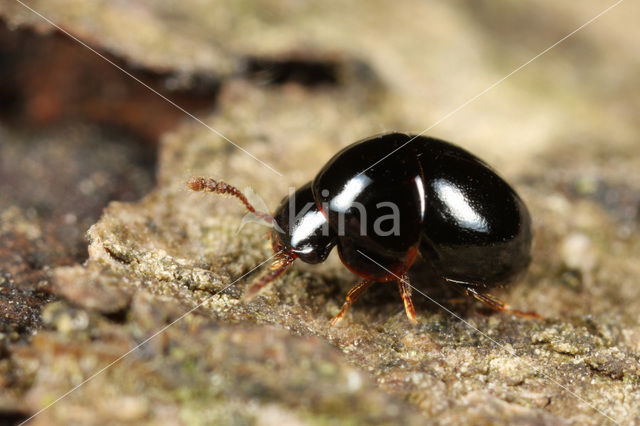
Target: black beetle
468	224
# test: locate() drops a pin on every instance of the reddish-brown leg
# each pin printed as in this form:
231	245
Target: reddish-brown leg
277	268
499	305
405	291
352	296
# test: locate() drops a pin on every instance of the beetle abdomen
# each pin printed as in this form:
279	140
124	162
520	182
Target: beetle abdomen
476	228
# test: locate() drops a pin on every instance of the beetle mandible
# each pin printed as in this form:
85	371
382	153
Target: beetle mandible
468	224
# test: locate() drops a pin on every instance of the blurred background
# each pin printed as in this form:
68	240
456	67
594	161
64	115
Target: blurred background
79	128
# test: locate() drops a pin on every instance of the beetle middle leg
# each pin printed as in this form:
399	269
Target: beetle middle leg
352	296
405	292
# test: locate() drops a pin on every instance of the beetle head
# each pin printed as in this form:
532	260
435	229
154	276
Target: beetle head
301	228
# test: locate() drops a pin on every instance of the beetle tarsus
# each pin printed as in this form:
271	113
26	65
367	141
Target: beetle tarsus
353	295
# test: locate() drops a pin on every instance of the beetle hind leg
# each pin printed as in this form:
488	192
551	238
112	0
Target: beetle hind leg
490	300
499	305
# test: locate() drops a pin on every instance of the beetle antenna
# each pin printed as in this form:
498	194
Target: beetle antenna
211	185
282	261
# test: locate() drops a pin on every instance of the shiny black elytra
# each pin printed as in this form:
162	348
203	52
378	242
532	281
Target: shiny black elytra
468	224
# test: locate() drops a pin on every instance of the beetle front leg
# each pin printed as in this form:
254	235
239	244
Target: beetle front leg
280	264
